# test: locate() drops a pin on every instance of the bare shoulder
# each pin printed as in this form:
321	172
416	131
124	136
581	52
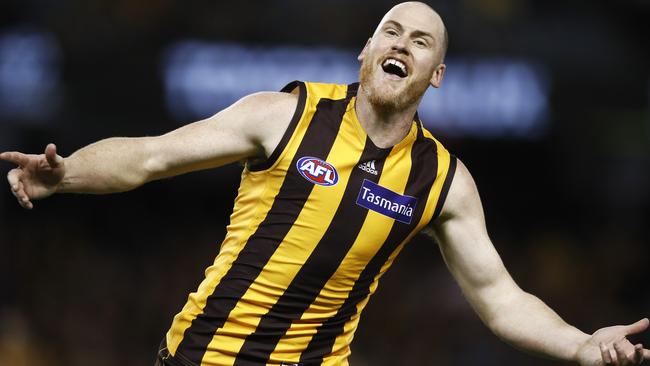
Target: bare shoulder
268	102
463	197
462	212
266	116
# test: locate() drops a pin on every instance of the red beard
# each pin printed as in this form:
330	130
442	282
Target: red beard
390	102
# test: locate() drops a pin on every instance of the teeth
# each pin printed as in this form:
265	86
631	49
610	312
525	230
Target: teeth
397	63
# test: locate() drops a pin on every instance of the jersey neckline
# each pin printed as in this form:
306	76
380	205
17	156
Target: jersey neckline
362	135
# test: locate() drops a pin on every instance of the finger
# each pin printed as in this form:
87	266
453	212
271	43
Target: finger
606	355
17	187
637	327
23	198
13	177
646	354
25	203
19	191
16	194
620	354
638	354
20	194
15	157
52	158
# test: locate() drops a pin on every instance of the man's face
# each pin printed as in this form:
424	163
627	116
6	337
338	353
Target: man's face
403	57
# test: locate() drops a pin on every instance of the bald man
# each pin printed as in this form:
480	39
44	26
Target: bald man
337	179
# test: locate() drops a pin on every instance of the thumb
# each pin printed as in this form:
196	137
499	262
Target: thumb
637	327
53	159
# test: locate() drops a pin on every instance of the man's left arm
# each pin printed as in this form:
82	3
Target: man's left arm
514	315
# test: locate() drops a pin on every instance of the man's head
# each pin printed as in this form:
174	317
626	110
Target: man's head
404	56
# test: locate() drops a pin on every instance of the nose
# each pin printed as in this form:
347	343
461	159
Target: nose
401	46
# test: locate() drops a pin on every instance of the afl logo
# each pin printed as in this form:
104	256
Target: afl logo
317	171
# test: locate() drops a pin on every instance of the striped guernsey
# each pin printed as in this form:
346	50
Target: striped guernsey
313	229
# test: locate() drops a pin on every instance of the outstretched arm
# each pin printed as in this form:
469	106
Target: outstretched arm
515	316
252	127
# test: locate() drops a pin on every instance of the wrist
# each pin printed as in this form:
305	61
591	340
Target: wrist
65	183
581	347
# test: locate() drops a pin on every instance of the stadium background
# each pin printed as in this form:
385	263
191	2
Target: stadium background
95	280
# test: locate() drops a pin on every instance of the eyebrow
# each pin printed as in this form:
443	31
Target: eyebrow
416	32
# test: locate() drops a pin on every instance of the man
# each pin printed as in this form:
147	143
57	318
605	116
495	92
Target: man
338	179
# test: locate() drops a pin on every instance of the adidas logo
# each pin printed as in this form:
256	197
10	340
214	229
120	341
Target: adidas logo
369	166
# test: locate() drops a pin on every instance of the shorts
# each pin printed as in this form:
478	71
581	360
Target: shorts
164	358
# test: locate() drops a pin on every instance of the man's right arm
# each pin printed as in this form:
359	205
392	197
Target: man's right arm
252	127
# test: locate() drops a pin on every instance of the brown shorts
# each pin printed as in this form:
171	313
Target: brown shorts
165	359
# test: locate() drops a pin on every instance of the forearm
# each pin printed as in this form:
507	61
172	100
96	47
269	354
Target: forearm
107	166
527	323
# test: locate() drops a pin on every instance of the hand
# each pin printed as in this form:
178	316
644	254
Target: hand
37	176
610	347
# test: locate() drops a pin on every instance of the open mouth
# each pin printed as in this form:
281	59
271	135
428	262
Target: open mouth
395	67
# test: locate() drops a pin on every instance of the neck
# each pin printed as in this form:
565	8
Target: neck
384	127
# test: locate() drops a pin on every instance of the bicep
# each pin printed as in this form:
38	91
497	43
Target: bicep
249	128
466	247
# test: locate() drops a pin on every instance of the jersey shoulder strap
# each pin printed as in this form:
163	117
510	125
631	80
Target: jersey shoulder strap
310	96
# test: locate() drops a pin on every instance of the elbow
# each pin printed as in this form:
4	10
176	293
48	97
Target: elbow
501	318
495	304
153	166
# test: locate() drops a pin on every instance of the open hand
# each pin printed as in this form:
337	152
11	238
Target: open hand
610	347
37	176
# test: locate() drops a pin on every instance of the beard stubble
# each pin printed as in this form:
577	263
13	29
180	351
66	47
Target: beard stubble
390	102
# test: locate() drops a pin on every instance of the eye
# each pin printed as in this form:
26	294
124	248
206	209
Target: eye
420	43
391	32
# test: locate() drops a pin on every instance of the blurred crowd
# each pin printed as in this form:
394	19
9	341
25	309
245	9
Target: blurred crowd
96	280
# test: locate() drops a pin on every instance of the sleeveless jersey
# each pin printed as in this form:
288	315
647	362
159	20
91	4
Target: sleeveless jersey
313	229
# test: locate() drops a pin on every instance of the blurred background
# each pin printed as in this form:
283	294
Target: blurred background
547	103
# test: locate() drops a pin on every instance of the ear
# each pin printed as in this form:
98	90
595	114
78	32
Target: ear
438	74
362	55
